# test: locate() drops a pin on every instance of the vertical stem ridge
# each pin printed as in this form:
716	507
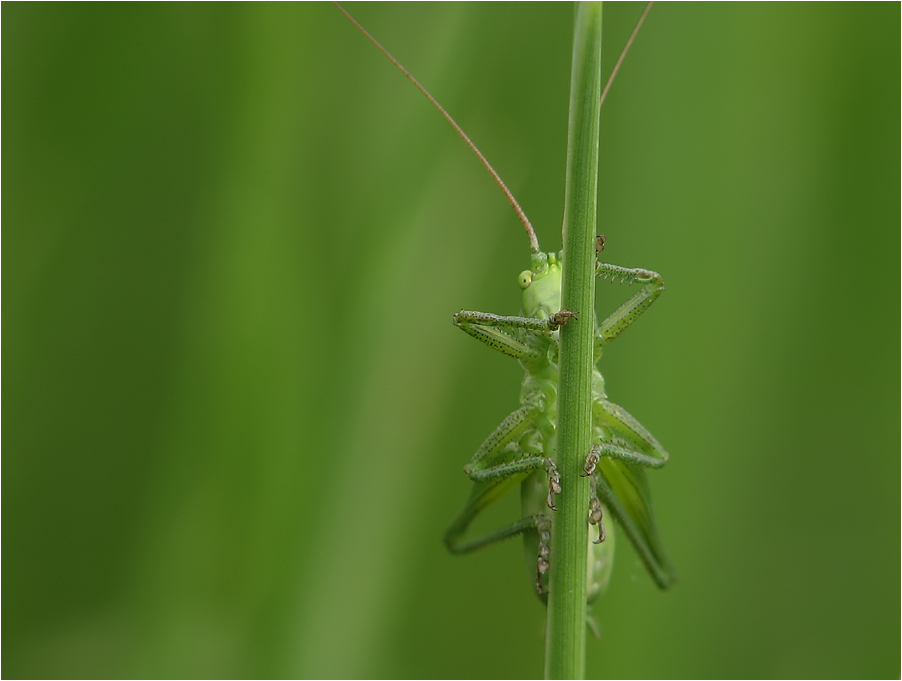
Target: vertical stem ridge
566	634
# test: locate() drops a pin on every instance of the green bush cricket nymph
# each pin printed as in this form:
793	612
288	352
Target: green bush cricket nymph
521	450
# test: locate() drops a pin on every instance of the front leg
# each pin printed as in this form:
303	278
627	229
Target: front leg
505	333
640	301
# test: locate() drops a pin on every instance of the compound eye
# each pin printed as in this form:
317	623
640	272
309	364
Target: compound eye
524	279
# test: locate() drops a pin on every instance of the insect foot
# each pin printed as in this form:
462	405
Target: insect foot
543	525
596	513
558	319
599	243
554	482
591	461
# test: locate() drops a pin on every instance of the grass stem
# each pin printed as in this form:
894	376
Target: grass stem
566	633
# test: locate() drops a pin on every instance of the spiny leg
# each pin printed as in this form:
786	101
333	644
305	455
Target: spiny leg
622	452
627	313
513	427
459	547
617	469
539	523
497	466
500	457
493	329
645	449
552	323
617	466
504	471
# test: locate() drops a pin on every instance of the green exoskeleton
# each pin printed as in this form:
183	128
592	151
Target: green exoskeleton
521	450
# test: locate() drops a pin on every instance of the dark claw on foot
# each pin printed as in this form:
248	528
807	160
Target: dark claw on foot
539	587
601	535
558	319
591	462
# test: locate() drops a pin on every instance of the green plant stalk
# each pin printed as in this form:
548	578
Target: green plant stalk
565	655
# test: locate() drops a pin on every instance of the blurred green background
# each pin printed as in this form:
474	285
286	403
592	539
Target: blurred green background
236	409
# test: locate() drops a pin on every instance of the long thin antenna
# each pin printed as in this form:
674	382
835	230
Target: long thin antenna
533	241
626	49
